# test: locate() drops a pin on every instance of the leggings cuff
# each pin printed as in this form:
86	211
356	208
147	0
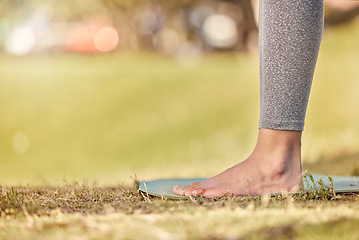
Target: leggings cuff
291	126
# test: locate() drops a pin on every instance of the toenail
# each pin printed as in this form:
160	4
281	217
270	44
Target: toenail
187	194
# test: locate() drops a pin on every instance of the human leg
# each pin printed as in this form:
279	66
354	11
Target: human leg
290	34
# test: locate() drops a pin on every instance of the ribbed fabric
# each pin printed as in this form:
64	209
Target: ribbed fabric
290	33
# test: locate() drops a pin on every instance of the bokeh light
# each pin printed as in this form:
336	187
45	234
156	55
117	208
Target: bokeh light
20	41
91	38
20	143
106	39
220	31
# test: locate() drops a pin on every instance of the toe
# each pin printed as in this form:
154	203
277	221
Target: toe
213	193
181	192
188	193
197	192
194	189
178	190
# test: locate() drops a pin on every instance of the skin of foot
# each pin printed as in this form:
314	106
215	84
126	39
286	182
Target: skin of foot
273	167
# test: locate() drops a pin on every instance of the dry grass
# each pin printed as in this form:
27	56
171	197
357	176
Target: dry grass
84	212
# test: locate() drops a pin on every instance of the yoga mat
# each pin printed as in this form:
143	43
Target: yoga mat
163	187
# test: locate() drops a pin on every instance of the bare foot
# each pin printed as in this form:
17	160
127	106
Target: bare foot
273	167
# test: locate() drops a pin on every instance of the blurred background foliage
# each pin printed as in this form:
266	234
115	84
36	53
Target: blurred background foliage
107	89
169	27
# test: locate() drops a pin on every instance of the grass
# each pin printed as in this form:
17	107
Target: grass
119	120
105	118
120	212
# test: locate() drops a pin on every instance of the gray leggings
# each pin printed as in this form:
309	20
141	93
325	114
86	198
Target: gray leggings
290	32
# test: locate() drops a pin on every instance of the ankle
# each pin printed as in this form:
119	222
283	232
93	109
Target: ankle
279	142
278	152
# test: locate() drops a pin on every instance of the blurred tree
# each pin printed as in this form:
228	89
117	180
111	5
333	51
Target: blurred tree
247	27
153	24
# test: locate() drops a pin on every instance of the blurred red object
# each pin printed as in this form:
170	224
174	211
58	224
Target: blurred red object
91	38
